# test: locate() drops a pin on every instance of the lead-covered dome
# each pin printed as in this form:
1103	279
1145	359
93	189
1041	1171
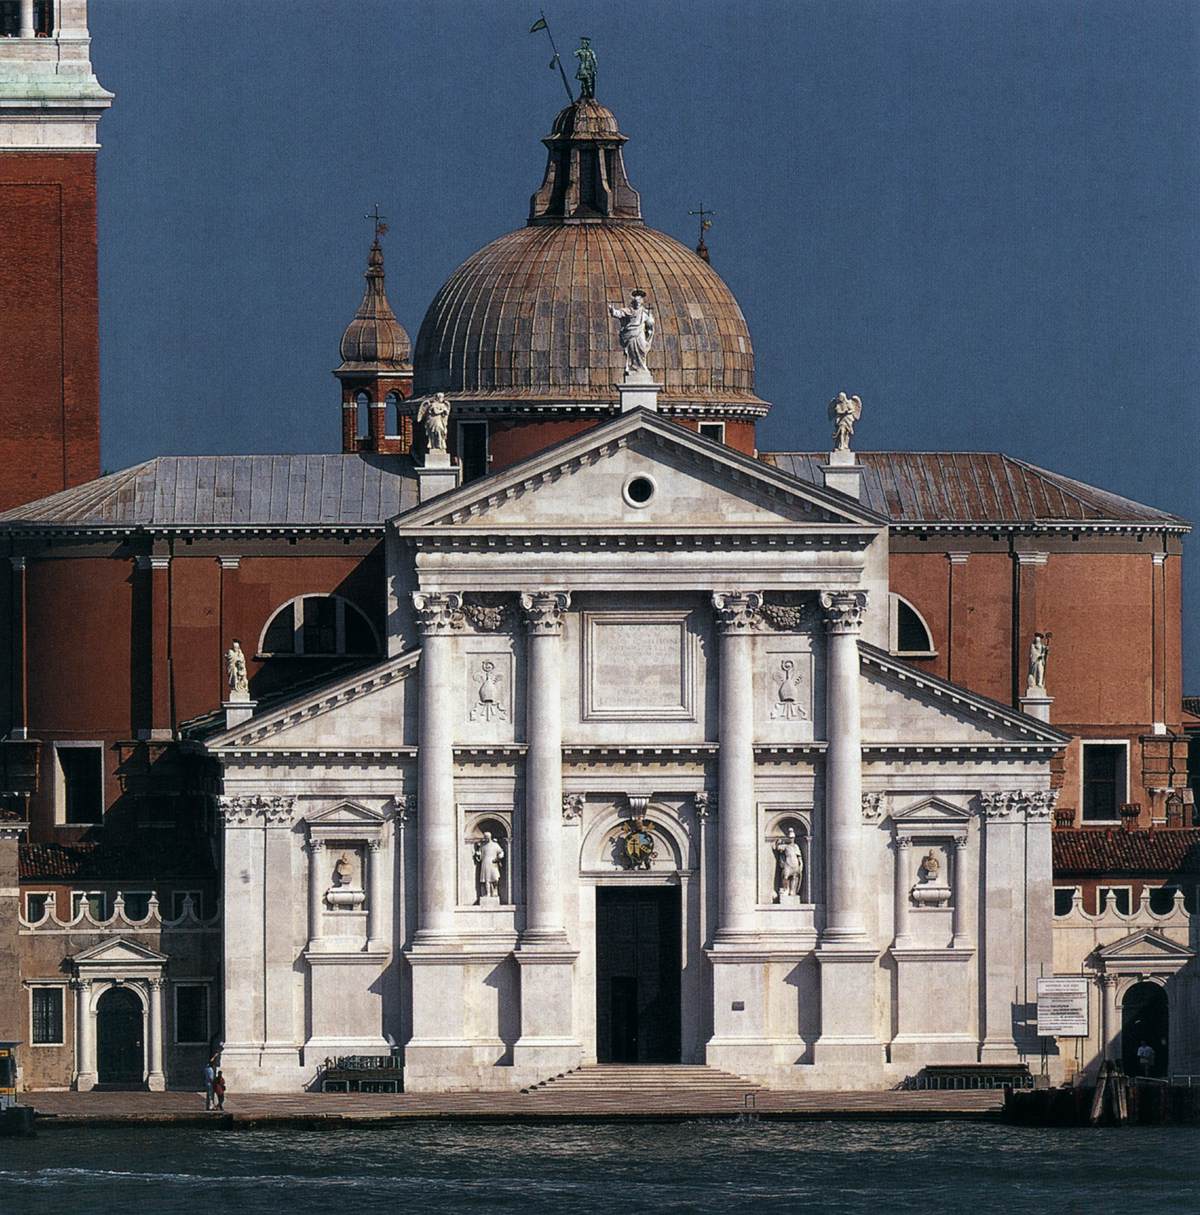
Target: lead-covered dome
526	318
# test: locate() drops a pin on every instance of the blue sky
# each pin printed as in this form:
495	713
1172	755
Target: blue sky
980	216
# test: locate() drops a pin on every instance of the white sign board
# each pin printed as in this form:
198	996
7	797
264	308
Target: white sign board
1062	1007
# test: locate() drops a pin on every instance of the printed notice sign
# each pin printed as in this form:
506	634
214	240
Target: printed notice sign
1062	1007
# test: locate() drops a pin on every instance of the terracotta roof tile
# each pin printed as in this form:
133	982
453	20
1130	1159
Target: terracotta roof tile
1115	850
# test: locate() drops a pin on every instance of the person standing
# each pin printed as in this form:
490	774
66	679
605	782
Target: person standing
219	1089
210	1077
1145	1058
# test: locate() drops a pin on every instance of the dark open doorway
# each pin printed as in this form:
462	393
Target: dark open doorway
119	1044
637	974
1144	1018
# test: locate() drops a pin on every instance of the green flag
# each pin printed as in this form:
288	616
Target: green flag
539	24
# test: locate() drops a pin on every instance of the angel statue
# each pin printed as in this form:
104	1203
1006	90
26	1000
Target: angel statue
434	416
235	668
844	411
637	332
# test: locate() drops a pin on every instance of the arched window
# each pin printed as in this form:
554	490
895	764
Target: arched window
318	626
363	402
908	634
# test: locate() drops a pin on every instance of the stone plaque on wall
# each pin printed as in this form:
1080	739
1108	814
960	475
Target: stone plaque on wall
638	666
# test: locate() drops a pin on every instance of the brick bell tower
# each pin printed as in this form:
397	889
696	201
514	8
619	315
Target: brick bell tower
50	106
376	371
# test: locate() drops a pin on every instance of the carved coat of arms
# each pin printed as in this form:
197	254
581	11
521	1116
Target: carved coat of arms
638	849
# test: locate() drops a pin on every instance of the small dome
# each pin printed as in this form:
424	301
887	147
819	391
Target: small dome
374	339
586	119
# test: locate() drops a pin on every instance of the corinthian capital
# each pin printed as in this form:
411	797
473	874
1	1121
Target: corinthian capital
843	610
737	611
438	612
544	610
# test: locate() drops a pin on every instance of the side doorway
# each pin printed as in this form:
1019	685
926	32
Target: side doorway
120	1038
638	965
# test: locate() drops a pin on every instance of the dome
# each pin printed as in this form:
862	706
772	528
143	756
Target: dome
374	339
526	319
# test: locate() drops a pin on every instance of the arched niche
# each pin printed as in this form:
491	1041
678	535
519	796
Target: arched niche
776	823
477	824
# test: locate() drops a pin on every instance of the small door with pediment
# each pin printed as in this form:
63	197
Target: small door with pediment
120	1041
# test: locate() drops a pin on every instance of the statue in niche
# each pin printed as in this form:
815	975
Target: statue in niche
1039	651
490	693
488	855
930	870
789	866
844	411
637	333
586	72
343	871
434	416
235	669
788	704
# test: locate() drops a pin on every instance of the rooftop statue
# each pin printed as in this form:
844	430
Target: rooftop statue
1039	651
235	669
637	332
586	74
844	411
434	416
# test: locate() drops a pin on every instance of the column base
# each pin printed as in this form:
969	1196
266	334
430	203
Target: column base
85	1082
999	1050
156	1082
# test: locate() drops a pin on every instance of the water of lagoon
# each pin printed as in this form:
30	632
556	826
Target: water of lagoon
835	1167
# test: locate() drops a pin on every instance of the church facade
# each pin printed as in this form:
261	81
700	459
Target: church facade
552	721
642	670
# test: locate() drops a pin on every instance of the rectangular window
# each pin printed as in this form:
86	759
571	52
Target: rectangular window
177	900
36	905
96	902
1104	781
46	1016
191	1013
473	449
79	783
1122	898
713	430
1063	897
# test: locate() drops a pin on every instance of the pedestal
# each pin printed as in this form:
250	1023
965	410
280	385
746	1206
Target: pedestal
1037	704
933	1008
848	1040
638	394
238	708
547	1045
843	473
436	475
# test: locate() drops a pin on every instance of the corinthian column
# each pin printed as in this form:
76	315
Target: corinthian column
437	617
156	1081
543	612
844	893
736	613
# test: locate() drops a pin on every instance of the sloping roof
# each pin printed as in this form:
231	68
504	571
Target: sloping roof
234	491
1115	850
101	862
975	487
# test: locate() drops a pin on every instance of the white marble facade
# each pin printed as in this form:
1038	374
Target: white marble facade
572	662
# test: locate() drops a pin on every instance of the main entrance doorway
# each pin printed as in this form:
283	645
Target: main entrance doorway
637	974
1144	1018
119	1049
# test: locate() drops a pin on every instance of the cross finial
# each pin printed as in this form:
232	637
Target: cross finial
378	220
705	223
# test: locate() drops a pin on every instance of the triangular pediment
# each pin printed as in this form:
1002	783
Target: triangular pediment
931	810
1145	945
119	952
346	814
588	482
309	722
906	707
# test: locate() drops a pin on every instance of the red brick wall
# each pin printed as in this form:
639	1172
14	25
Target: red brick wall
49	356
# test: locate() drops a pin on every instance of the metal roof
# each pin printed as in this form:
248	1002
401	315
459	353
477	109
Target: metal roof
234	491
973	487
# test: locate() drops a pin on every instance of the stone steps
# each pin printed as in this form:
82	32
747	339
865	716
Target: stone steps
627	1087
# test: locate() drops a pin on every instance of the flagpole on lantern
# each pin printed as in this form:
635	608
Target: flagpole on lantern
542	24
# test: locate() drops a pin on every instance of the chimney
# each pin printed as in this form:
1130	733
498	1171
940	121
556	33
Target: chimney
1130	813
